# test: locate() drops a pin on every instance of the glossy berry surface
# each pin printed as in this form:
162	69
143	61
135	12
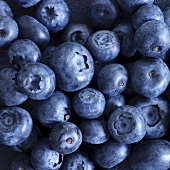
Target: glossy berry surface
149	44
54	14
94	131
103	14
65	138
25	3
36	80
22	52
104	45
154	77
73	65
156	114
77	160
55	109
110	153
89	103
8	31
112	79
77	33
10	94
147	13
126	124
152	154
16	125
44	157
39	35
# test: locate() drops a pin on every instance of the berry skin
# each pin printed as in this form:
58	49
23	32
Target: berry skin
65	138
104	45
131	6
54	14
77	160
55	109
156	114
151	154
36	80
22	52
25	3
89	103
112	79
16	125
10	94
73	65
103	14
5	9
152	39
94	131
44	157
126	124
149	77
76	33
110	153
8	31
147	13
32	29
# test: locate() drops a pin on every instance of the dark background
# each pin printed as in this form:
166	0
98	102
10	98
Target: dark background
78	13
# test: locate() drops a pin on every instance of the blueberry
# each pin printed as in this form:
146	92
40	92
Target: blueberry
5	9
44	157
46	54
147	13
77	161
73	65
112	79
163	4
104	45
94	131
112	102
110	153
151	154
149	44
149	77
166	13
89	103
76	32
23	51
21	162
54	14
125	31
126	124
8	31
129	90
29	143
16	125
98	65
10	94
31	29
131	6
36	80
65	138
26	3
156	114
103	14
57	108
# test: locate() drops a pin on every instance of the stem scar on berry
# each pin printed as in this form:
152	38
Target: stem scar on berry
121	83
157	49
152	74
69	141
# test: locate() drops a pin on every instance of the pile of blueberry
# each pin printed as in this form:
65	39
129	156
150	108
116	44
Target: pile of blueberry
82	97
